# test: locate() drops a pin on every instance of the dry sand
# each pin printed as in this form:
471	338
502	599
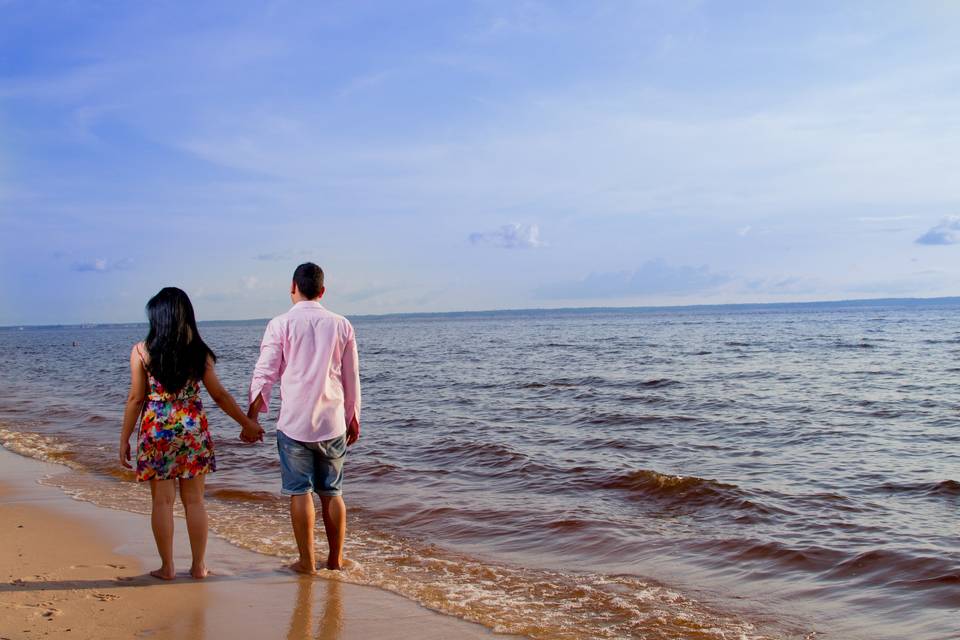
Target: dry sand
70	569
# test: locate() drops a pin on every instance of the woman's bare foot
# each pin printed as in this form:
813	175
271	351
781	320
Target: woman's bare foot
164	573
302	567
199	572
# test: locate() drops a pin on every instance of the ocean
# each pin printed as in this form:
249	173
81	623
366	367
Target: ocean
781	471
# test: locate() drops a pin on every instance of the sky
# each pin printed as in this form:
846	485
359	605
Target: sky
442	156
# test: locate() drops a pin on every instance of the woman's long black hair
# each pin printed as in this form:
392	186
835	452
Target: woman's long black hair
177	353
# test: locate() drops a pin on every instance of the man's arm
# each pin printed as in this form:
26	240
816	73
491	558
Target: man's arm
255	407
267	370
350	372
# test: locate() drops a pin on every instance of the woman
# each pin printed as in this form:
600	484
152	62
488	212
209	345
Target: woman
174	444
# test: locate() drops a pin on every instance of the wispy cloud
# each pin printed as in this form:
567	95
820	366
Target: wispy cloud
655	277
102	265
282	256
869	219
510	236
784	285
946	232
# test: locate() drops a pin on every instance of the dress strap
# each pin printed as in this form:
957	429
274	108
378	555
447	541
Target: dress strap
140	354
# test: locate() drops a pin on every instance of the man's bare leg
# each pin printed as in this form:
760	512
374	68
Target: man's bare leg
191	495
335	524
163	493
303	516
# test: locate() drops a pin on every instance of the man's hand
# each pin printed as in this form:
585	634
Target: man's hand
125	454
252	432
353	431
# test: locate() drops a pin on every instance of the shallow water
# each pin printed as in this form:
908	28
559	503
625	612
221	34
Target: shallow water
711	473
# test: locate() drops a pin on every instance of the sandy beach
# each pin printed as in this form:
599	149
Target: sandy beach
70	569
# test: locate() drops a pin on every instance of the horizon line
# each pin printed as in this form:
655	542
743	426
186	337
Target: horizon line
543	309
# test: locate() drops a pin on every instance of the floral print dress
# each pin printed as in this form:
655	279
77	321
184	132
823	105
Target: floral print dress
174	441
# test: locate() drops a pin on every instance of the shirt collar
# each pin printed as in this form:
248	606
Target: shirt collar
308	304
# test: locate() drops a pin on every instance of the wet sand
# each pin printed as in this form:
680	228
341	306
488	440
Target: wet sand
70	569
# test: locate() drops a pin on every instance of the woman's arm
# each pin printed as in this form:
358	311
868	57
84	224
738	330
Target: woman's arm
252	431
134	405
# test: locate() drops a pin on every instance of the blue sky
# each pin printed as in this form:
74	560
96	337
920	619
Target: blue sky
474	155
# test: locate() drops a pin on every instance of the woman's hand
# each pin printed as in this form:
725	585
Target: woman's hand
125	454
134	406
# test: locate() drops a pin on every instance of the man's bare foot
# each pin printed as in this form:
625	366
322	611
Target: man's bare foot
164	573
335	562
303	567
199	573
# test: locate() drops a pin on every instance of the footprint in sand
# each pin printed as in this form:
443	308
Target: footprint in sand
39	605
117	566
106	597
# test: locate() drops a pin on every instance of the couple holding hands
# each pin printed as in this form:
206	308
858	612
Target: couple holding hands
312	352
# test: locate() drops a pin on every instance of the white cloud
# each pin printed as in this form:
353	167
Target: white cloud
744	230
510	236
102	265
946	232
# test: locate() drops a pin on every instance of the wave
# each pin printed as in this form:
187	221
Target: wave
942	340
459	454
240	495
854	345
945	489
886	567
39	447
536	603
564	383
618	419
659	383
684	492
775	555
654	383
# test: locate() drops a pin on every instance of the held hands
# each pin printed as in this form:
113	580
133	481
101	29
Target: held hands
252	431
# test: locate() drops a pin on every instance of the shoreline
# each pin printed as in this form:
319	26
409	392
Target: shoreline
832	304
74	569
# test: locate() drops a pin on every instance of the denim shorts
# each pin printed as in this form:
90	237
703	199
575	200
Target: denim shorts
311	466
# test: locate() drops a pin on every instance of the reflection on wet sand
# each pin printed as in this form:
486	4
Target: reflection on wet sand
330	623
189	622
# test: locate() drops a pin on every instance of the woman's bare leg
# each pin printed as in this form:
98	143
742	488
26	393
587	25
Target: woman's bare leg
163	493
191	495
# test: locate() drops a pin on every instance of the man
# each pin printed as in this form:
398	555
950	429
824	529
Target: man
313	353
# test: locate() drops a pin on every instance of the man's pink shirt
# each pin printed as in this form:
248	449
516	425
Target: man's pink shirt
313	353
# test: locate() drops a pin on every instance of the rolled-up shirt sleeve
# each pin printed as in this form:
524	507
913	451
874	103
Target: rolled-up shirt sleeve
269	365
350	372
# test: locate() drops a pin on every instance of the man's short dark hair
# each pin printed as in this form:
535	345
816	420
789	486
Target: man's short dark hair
309	280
